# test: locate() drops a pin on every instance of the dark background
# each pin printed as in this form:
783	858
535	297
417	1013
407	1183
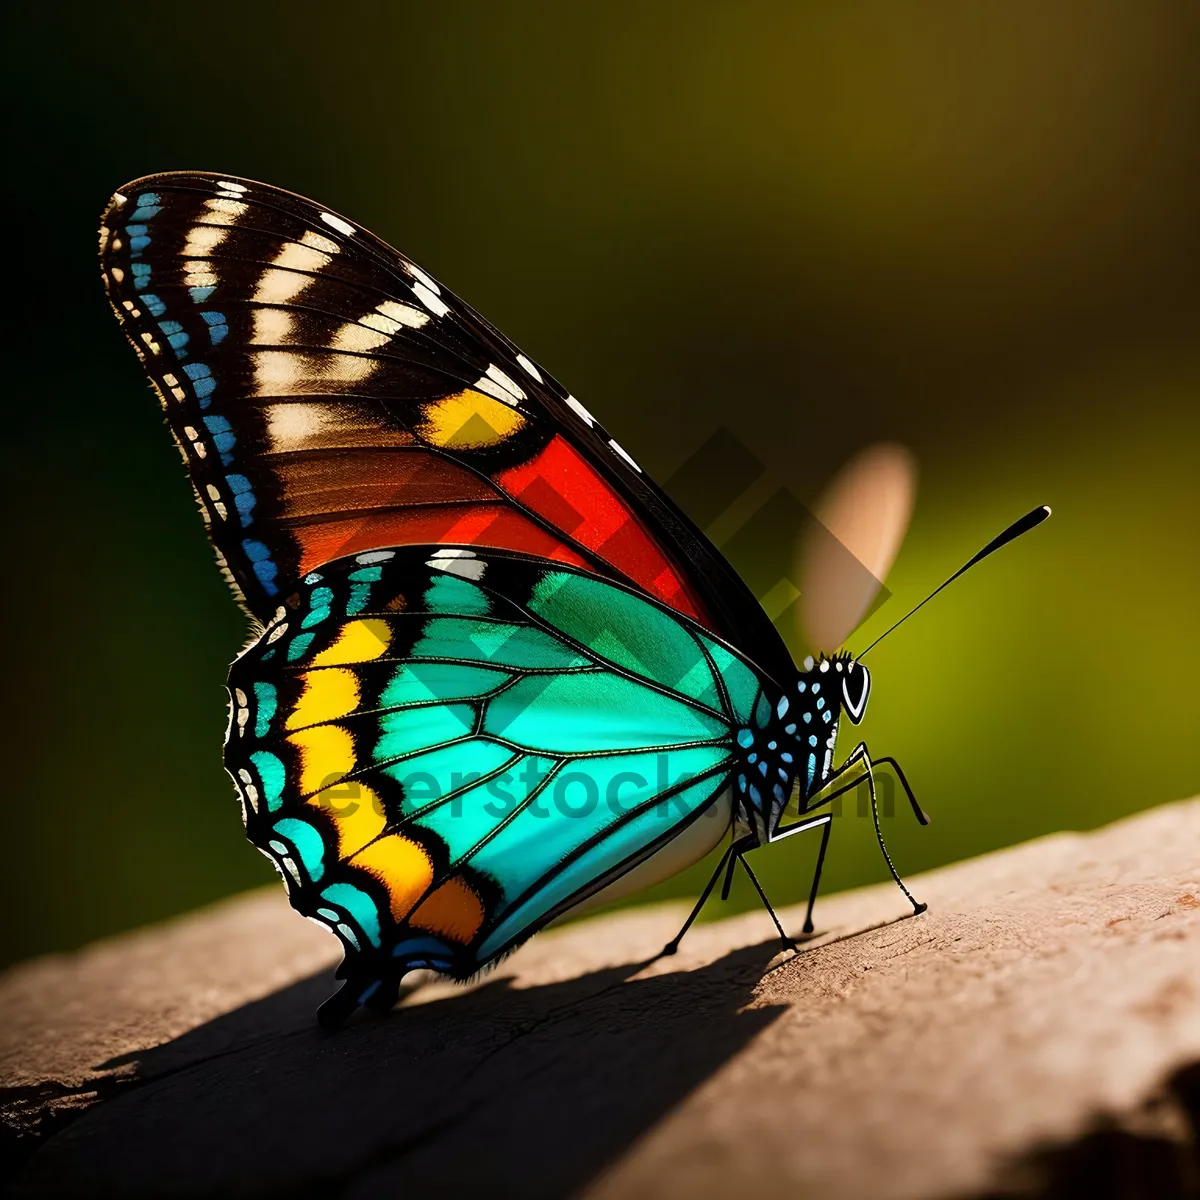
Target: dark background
969	228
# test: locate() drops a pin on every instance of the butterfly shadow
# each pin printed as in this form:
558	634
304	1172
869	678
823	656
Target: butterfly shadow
517	1091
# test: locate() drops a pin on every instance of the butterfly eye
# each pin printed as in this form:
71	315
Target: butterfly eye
856	687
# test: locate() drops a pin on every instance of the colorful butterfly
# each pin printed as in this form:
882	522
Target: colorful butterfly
496	673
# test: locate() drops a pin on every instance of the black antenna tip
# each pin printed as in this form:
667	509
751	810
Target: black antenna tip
1031	520
1034	519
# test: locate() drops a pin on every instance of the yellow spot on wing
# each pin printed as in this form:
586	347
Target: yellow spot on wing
327	695
468	420
401	866
360	641
453	910
326	755
357	814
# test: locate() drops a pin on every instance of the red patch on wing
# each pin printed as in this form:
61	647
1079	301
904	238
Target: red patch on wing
595	516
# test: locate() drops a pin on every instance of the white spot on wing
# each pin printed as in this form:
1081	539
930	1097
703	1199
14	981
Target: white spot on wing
272	327
375	556
172	382
431	300
283	281
202	240
353	336
391	315
581	412
227	206
337	223
484	384
281	372
505	382
199	274
468	567
427	280
118	199
294	426
230	186
529	368
617	447
211	230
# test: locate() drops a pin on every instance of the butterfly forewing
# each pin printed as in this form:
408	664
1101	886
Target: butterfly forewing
331	398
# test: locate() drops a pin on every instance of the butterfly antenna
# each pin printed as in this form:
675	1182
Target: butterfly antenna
1030	520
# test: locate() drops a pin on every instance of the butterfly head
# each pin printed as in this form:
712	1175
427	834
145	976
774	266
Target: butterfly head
856	687
840	683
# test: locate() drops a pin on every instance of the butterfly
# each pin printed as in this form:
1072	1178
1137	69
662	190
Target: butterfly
495	673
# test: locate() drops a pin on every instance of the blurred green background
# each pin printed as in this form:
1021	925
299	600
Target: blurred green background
969	228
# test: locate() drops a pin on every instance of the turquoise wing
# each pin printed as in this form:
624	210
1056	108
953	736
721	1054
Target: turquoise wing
442	749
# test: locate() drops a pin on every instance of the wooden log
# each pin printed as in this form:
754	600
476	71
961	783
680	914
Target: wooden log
1037	1032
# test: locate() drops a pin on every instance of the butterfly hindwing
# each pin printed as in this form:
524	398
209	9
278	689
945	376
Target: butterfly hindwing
443	749
331	398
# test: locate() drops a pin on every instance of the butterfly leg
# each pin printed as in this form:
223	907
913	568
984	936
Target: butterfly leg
788	944
673	944
860	755
739	848
921	815
863	755
825	822
816	883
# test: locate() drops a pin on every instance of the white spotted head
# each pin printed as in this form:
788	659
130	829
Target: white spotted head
831	685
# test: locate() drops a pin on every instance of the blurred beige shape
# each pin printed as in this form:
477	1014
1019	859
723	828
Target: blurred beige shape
846	553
